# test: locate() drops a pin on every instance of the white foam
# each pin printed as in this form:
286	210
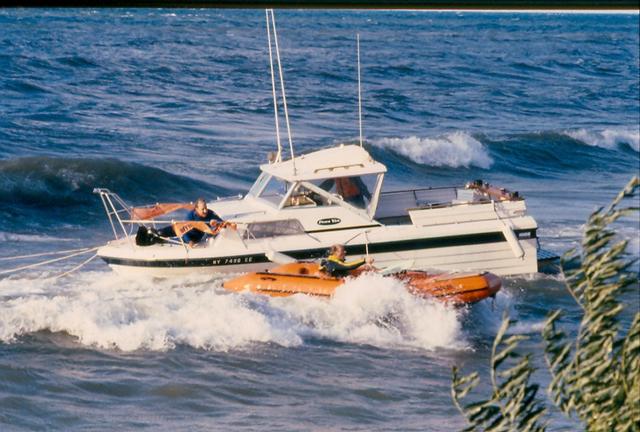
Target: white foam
377	311
104	311
457	149
526	328
101	310
608	138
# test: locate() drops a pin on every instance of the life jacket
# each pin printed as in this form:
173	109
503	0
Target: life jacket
335	267
325	263
347	188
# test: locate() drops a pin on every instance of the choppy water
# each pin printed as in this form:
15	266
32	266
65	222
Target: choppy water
163	105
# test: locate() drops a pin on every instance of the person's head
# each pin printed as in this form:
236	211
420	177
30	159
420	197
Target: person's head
337	250
201	207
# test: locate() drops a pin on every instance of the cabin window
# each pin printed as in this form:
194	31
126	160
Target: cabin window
258	230
355	190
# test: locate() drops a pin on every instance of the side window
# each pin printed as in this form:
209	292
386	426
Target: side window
258	230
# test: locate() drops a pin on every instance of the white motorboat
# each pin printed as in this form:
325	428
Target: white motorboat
303	205
474	227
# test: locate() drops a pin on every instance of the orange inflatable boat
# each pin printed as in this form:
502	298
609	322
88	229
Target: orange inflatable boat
305	278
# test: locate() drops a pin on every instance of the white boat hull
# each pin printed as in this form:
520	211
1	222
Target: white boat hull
459	252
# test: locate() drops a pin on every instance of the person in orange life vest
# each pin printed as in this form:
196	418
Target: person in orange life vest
351	189
336	266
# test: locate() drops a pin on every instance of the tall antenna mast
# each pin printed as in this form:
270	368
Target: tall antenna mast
284	96
359	90
273	91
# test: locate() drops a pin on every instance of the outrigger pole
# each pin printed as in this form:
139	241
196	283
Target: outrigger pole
359	90
271	20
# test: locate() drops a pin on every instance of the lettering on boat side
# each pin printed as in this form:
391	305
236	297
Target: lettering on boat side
232	260
329	221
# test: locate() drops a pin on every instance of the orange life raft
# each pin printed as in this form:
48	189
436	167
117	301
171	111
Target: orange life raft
305	278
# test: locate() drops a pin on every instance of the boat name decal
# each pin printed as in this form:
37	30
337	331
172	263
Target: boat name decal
329	221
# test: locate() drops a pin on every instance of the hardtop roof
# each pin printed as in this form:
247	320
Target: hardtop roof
340	161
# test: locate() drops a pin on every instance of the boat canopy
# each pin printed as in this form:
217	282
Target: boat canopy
341	161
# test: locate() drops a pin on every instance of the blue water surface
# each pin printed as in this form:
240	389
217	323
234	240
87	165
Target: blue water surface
165	105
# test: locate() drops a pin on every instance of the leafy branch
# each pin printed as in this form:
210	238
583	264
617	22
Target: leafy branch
595	377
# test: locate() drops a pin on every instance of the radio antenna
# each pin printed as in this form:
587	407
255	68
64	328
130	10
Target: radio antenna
359	88
278	157
284	96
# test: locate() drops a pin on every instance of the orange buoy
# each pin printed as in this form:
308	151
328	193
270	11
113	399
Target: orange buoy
306	278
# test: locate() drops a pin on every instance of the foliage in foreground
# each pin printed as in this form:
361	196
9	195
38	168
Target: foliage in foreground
595	377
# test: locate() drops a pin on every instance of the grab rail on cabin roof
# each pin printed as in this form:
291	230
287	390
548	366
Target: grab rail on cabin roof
331	168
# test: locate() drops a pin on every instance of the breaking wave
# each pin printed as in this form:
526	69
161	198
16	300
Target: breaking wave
103	311
608	138
531	154
51	181
455	150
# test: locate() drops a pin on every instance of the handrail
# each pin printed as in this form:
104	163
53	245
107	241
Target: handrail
418	189
331	168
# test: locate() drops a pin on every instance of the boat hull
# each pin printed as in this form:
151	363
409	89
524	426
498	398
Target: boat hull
304	278
468	253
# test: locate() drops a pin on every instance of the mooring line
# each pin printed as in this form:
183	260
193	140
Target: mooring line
42	254
25	267
82	264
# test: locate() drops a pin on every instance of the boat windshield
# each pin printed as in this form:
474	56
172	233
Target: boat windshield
355	190
262	179
274	190
302	197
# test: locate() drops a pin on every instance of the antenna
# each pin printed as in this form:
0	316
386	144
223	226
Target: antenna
278	157
359	90
284	96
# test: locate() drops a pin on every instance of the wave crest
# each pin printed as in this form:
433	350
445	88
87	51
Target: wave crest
455	150
608	138
58	182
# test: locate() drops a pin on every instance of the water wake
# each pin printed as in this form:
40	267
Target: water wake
101	310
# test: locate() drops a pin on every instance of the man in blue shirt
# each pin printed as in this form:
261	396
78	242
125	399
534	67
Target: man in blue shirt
202	214
199	214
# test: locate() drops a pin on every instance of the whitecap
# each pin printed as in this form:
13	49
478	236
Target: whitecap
608	138
457	149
